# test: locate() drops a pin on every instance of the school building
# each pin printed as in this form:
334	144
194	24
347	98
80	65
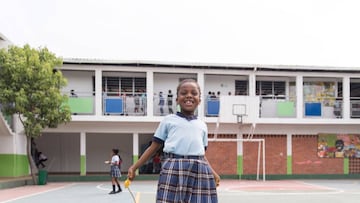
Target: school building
307	116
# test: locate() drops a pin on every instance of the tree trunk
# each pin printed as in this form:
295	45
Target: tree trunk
33	168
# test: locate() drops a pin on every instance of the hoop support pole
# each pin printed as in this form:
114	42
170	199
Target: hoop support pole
248	140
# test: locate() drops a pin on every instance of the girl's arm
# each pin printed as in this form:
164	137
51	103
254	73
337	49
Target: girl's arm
216	176
149	152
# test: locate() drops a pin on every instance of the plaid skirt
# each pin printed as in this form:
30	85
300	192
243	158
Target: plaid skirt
186	180
115	172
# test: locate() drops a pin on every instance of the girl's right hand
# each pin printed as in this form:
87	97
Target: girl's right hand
131	173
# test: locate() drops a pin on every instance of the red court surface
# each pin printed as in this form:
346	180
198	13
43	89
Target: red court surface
328	191
272	186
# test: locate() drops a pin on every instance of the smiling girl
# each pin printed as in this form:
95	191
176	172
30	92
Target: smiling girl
186	175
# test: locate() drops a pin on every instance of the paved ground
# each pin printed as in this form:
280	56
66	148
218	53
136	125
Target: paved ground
285	191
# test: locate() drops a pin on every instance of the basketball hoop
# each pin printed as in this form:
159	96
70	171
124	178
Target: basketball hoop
239	110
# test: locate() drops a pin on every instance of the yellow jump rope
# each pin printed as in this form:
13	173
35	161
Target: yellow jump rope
127	186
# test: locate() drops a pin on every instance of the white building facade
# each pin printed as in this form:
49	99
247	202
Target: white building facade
115	104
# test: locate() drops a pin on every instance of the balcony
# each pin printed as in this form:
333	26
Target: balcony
125	104
277	107
328	107
280	107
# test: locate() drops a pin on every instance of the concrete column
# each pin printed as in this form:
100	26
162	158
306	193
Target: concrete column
82	153
346	97
299	97
98	93
289	154
252	84
201	82
150	93
136	149
240	157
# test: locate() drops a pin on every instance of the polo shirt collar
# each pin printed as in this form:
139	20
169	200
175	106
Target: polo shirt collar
189	118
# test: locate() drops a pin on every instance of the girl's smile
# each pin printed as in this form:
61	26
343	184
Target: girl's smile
188	97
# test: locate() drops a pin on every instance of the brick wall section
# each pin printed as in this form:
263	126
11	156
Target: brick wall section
354	165
223	155
275	156
306	161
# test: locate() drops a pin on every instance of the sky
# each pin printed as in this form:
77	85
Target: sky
272	32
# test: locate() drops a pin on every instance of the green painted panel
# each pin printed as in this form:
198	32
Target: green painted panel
346	165
289	165
285	108
135	159
240	165
13	165
81	105
83	165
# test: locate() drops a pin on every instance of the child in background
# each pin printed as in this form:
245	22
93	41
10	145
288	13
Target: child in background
186	175
115	170
41	159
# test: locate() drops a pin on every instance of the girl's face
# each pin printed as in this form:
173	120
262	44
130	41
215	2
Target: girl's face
188	97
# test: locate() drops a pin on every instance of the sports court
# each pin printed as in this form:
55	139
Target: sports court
273	191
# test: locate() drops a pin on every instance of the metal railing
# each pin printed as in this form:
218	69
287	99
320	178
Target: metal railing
323	107
135	104
281	106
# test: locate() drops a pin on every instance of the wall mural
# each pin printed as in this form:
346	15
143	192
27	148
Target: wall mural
338	146
324	92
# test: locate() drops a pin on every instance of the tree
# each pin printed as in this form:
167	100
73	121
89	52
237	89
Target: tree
30	88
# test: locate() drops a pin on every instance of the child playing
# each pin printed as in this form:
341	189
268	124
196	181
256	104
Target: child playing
115	170
186	175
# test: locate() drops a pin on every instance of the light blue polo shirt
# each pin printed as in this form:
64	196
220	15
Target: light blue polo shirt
182	136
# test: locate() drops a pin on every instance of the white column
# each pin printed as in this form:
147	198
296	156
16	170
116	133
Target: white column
150	93
240	157
239	144
289	154
98	93
346	97
252	84
201	82
136	144
288	144
136	148
299	97
82	153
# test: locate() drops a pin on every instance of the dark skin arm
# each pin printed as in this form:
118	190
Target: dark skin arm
216	176
149	152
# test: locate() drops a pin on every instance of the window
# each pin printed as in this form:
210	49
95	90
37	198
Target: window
120	85
140	84
127	85
270	88
355	89
241	87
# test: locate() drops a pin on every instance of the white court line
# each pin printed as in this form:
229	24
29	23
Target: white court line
332	191
318	186
237	193
230	191
102	188
137	198
38	193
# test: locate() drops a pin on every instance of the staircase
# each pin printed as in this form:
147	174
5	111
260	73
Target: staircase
5	125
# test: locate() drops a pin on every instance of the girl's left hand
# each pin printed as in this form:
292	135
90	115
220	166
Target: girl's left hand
217	179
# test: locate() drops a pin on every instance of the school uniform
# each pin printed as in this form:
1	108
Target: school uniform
115	170
185	174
